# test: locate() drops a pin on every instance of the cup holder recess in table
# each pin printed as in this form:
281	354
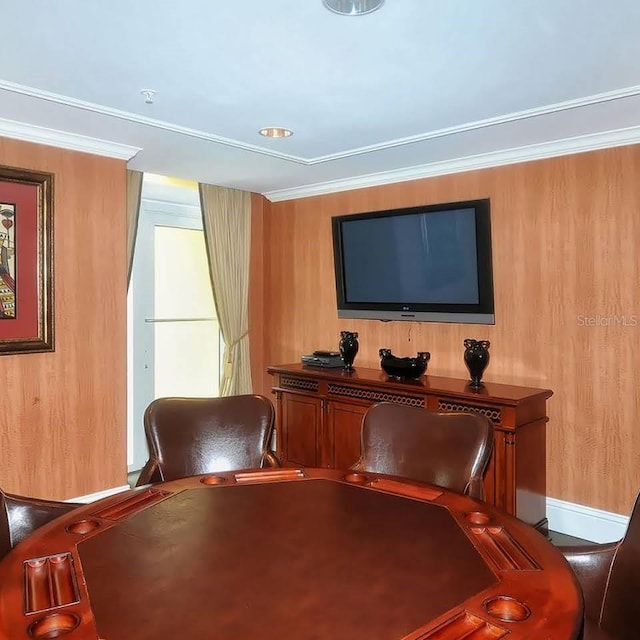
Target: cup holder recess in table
83	526
36	563
478	517
506	609
54	625
212	480
357	478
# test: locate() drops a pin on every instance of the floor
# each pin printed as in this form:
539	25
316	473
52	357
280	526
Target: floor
562	540
559	539
132	478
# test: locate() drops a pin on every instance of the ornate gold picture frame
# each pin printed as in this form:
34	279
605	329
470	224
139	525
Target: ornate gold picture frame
26	261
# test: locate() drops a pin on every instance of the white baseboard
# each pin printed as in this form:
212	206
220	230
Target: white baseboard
92	497
585	522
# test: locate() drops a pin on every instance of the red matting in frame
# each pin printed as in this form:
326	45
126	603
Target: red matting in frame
31	196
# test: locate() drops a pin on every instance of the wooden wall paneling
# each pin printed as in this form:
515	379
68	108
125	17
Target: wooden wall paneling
567	314
257	270
63	420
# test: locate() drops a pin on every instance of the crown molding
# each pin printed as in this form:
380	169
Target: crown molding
47	96
578	144
64	140
558	107
127	116
567	146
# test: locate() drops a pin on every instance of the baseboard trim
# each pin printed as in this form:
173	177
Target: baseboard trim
583	522
92	497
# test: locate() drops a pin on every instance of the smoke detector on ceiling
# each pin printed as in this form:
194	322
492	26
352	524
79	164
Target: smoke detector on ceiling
148	95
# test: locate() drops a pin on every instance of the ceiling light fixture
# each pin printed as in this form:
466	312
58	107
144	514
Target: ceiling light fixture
352	7
275	132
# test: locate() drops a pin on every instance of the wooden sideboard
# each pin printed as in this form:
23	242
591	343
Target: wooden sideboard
319	415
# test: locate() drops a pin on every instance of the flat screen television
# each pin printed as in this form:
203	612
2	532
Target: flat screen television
430	263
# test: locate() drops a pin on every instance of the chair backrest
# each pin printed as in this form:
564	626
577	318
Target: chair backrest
21	516
447	449
190	436
5	532
620	606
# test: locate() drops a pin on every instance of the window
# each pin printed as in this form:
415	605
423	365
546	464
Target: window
174	337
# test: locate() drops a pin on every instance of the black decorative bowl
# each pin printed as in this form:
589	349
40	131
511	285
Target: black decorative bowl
404	368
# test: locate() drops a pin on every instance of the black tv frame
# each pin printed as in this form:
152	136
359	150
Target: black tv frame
480	313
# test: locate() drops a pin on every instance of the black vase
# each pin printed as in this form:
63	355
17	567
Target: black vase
348	348
476	357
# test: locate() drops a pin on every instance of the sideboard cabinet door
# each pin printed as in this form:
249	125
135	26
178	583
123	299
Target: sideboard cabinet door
301	430
344	423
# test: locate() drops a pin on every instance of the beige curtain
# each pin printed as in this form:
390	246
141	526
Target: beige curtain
134	192
226	216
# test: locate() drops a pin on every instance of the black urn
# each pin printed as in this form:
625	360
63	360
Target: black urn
348	348
404	368
476	357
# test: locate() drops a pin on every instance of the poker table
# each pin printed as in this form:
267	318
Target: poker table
310	554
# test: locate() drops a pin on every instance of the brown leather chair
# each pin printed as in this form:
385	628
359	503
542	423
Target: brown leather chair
609	575
451	450
20	516
190	436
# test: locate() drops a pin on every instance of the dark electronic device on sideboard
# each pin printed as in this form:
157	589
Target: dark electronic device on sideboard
430	263
320	358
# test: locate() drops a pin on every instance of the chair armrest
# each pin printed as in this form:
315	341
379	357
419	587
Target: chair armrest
150	473
591	564
27	514
271	460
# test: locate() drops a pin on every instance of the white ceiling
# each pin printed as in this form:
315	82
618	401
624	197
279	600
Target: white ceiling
419	87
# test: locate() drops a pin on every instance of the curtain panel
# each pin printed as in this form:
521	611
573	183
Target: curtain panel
134	194
226	217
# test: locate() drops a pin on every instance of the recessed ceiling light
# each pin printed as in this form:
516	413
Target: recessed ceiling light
352	7
276	132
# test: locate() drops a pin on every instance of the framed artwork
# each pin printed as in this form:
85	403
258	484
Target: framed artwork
26	261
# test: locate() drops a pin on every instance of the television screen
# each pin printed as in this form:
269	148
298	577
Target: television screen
430	263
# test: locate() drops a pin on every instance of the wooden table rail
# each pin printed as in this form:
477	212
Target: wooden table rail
288	553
